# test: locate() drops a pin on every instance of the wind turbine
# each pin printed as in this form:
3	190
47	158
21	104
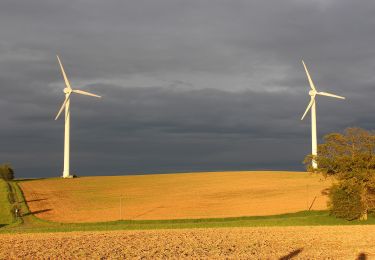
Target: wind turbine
313	92
66	104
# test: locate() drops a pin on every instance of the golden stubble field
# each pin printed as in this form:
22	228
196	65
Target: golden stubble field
174	196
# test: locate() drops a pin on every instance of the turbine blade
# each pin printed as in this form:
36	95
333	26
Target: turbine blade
63	73
308	107
308	76
63	106
330	95
85	93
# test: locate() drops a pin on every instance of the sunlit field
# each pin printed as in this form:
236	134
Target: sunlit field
174	196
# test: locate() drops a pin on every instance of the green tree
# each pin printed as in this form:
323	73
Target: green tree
350	158
6	172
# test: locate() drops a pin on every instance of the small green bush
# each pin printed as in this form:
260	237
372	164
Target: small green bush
11	197
346	200
6	172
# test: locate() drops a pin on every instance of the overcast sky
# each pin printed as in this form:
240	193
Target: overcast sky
198	85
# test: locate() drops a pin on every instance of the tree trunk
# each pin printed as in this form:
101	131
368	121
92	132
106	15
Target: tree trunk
363	216
364	203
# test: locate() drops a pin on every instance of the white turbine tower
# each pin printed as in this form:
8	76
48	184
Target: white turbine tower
313	92
68	91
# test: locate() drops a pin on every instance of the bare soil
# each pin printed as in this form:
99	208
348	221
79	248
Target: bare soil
318	242
174	196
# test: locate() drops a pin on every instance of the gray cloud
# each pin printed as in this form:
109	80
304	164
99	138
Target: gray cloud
187	85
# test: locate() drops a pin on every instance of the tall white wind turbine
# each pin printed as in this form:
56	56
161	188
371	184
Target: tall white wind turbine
66	104
313	92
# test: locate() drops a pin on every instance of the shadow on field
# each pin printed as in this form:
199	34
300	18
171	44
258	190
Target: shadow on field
362	256
35	200
37	212
3	225
27	179
291	254
148	211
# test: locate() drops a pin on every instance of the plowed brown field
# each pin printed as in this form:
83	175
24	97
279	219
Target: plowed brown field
173	196
333	242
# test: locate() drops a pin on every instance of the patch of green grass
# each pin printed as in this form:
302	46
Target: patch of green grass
6	216
304	218
22	205
32	224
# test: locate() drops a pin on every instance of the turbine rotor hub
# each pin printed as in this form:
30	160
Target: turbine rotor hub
312	93
67	91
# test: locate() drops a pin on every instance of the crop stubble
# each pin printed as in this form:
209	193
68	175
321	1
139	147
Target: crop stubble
318	242
174	196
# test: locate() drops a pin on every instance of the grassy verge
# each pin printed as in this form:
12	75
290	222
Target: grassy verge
6	216
32	224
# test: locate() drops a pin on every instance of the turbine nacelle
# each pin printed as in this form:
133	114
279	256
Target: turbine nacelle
312	93
67	90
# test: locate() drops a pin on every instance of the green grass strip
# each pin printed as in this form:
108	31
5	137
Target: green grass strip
6	216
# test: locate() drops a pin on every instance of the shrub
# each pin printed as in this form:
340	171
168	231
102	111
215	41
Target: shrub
346	200
6	172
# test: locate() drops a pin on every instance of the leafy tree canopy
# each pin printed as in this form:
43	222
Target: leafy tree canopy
350	158
6	172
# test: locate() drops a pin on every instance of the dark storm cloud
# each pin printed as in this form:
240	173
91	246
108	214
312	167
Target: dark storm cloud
186	85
